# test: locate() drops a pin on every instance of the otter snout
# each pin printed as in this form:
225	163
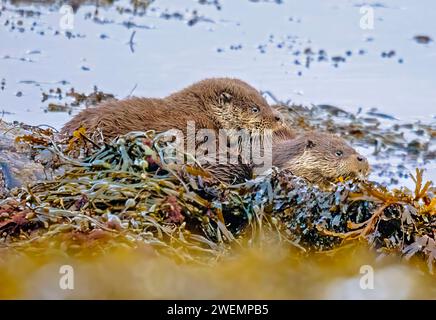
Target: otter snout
362	165
280	127
277	117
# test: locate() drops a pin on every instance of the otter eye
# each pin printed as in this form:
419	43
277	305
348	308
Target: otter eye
339	153
255	109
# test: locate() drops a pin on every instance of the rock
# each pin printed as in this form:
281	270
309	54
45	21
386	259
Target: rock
16	165
422	39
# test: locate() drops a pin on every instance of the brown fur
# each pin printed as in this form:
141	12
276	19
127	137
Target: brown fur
320	157
312	155
212	104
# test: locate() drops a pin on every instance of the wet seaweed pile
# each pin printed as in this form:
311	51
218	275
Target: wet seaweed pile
399	221
124	193
120	190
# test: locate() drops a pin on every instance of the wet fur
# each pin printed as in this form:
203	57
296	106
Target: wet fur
311	155
217	103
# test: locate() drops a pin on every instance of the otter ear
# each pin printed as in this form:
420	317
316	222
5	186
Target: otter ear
224	98
310	144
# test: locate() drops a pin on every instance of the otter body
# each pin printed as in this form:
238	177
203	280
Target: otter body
217	103
223	103
317	157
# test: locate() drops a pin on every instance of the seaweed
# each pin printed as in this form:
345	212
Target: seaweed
125	190
128	193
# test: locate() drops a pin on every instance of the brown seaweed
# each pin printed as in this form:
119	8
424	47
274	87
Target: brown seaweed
123	189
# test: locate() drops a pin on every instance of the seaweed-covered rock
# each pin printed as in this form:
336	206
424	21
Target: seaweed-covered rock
124	188
17	165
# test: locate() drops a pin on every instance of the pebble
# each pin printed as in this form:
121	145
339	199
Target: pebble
422	39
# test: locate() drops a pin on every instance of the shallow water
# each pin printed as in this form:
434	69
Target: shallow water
256	41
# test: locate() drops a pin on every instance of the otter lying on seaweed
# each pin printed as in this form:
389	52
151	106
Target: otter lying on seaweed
217	103
318	157
224	103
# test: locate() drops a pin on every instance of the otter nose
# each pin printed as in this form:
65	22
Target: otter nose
277	116
362	163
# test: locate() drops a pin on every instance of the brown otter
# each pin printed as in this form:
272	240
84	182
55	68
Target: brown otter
217	103
318	157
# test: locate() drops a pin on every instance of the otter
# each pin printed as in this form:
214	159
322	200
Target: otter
216	103
318	157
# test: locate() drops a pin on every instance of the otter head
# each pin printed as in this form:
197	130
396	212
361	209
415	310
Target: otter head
234	104
320	158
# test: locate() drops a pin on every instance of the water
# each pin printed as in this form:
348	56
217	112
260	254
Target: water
170	54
